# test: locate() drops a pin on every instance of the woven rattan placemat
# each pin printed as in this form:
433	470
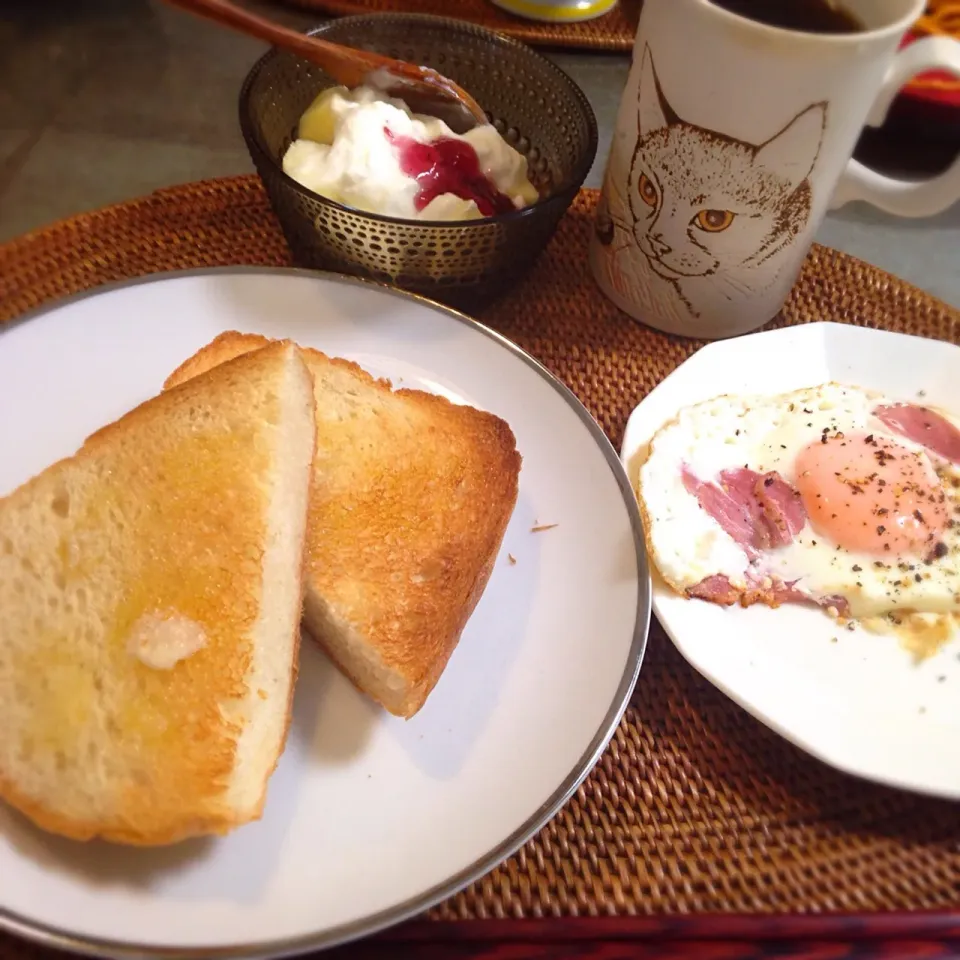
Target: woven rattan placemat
613	31
695	806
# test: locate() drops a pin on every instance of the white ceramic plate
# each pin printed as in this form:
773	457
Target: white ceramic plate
860	703
369	819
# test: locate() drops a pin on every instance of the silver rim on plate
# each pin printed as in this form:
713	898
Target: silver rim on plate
64	940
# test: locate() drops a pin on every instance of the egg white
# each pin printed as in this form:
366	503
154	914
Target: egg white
765	433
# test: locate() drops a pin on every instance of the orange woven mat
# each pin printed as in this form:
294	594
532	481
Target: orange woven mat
695	806
613	31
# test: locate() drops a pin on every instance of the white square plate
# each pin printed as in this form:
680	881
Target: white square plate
856	700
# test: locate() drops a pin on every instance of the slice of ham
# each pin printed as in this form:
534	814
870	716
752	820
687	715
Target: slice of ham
782	508
922	426
716	589
775	506
769	591
730	511
759	511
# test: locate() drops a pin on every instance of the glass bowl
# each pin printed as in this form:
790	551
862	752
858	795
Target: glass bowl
534	105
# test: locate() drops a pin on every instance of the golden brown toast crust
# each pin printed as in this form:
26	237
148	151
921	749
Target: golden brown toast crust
192	505
410	502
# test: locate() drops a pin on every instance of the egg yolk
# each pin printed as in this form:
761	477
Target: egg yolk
871	495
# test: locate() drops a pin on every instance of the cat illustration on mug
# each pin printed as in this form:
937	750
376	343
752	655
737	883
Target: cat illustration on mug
708	215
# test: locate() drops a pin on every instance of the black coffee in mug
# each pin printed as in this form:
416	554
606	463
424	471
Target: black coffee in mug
808	16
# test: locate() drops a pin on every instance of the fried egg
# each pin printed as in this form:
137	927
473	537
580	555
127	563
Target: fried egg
832	494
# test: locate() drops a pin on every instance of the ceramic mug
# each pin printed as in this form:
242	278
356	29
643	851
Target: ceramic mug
732	140
557	11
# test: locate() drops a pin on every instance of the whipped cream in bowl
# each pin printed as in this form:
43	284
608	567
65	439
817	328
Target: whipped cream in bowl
366	150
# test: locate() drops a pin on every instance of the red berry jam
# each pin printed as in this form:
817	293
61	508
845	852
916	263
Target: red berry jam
447	165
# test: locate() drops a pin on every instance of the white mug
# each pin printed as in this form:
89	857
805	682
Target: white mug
733	138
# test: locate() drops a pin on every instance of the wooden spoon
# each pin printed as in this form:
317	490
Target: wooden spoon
423	89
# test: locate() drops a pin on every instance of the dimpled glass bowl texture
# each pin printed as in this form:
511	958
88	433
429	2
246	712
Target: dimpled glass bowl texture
534	105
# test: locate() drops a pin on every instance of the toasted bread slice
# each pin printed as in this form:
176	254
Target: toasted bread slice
411	499
151	589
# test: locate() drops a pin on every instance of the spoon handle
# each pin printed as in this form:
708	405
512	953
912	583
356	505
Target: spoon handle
346	65
349	66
